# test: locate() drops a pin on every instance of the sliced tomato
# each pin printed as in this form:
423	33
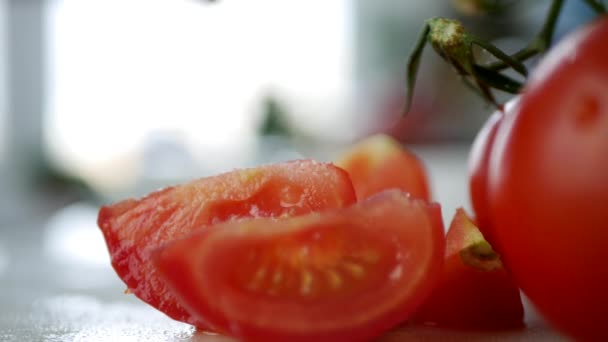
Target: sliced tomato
475	290
338	275
379	163
132	228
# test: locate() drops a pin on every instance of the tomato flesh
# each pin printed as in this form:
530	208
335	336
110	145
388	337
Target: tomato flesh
343	274
379	163
548	185
132	228
475	290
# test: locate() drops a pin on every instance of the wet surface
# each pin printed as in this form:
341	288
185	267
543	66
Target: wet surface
56	282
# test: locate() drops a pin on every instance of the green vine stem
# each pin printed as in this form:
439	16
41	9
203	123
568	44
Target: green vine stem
450	40
542	40
597	6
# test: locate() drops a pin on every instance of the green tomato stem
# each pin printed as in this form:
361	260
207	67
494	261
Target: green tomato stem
597	6
412	68
538	44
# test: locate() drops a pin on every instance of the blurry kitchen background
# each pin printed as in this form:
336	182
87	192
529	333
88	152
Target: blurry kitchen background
102	99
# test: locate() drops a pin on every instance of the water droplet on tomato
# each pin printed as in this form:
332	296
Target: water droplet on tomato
254	211
396	273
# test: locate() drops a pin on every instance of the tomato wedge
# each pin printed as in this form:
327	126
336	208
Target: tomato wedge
338	275
132	228
475	290
379	163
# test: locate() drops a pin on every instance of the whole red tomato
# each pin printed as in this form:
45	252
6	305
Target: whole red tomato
548	185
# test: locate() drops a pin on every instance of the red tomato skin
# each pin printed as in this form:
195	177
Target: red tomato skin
185	263
478	166
380	162
133	227
479	159
548	185
475	295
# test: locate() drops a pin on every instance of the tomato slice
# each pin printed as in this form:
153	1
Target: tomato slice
475	290
132	228
338	275
379	163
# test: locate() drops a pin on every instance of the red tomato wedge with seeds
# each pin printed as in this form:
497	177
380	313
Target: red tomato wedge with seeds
132	228
379	163
339	275
475	290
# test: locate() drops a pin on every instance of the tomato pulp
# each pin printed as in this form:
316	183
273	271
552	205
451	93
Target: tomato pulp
345	274
548	185
132	228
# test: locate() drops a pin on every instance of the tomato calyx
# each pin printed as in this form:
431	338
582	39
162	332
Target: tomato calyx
452	43
455	46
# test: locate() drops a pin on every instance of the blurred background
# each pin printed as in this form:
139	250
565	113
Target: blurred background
105	99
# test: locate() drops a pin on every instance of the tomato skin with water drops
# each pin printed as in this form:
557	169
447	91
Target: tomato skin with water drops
345	274
548	185
134	227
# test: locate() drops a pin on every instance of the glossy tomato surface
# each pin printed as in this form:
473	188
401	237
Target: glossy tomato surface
548	185
475	291
132	228
478	165
379	163
339	275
